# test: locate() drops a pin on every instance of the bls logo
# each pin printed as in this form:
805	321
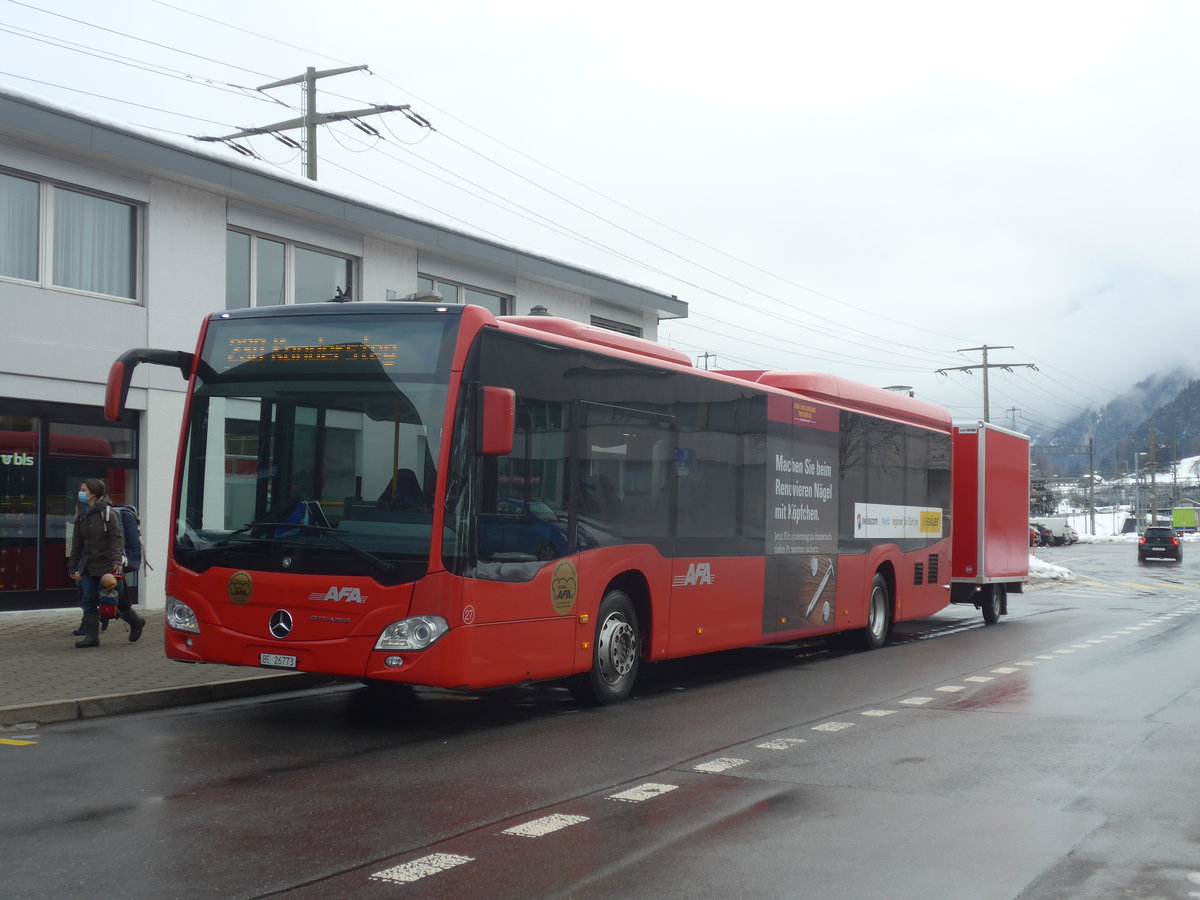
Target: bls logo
16	459
340	595
697	573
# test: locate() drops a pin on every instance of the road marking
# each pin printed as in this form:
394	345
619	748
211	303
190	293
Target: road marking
719	765
950	688
1004	670
980	679
421	868
11	742
878	713
1044	656
781	744
1081	646
647	791
1064	651
833	726
917	701
545	825
1025	662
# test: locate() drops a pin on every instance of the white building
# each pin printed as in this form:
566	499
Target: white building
113	238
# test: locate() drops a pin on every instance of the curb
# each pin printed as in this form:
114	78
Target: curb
159	698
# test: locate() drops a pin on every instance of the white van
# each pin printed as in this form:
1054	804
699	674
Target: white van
1059	527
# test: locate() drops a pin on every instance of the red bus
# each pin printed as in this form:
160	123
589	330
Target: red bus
404	492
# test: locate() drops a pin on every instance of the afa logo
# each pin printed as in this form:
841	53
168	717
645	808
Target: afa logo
564	587
697	573
339	595
858	522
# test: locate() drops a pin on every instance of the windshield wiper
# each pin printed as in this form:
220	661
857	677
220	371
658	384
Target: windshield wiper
334	533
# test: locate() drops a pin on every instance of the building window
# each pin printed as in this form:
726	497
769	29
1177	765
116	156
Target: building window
89	243
456	292
261	271
614	325
18	227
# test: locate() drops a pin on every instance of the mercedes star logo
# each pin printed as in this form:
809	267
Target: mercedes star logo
281	623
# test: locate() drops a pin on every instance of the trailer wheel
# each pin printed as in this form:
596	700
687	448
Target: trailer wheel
993	606
879	615
616	652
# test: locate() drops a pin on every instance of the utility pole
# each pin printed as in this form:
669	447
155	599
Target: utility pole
706	356
985	366
1012	415
1153	466
310	118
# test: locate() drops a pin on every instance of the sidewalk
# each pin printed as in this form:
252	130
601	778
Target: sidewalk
44	678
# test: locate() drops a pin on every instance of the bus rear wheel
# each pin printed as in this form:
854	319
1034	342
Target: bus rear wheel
616	653
993	606
879	615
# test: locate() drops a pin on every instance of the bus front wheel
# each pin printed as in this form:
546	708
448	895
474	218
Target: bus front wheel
616	652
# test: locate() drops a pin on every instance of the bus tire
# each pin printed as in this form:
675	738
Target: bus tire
616	653
879	614
993	606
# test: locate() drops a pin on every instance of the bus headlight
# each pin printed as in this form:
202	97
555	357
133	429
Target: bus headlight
180	616
416	633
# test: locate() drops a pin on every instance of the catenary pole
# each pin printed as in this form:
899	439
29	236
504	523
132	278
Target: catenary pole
986	367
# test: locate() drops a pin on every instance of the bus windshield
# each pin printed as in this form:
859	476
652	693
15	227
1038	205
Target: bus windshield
311	444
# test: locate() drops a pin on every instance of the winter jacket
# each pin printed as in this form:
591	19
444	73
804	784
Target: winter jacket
97	541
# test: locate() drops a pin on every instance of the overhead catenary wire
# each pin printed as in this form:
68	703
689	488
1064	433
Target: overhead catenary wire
880	344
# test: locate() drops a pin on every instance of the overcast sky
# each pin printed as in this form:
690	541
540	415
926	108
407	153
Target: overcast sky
863	188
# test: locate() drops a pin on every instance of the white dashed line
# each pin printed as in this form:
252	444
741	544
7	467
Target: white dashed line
545	825
917	701
1064	651
781	744
417	869
719	765
980	679
1025	662
1004	670
878	713
1044	656
950	688
1081	646
642	792
833	726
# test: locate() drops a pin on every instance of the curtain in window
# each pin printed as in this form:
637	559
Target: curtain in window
18	227
94	244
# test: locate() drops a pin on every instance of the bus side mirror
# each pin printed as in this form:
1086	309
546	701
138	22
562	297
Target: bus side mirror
121	374
498	421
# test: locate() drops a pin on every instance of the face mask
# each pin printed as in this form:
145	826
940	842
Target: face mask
83	496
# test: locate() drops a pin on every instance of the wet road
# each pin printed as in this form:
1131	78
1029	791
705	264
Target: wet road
1053	755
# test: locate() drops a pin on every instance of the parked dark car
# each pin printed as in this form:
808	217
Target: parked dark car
1045	535
1160	542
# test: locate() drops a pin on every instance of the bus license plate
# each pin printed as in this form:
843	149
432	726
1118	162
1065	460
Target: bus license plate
275	661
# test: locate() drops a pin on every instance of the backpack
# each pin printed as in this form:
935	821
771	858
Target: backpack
131	528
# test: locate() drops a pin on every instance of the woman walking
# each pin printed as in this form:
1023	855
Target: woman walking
97	549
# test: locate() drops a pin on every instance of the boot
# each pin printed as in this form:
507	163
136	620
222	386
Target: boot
79	632
135	622
91	630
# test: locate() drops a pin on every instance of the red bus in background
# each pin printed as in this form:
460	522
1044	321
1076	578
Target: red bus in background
22	469
432	495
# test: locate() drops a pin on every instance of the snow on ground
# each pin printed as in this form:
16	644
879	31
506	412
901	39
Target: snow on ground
1040	570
